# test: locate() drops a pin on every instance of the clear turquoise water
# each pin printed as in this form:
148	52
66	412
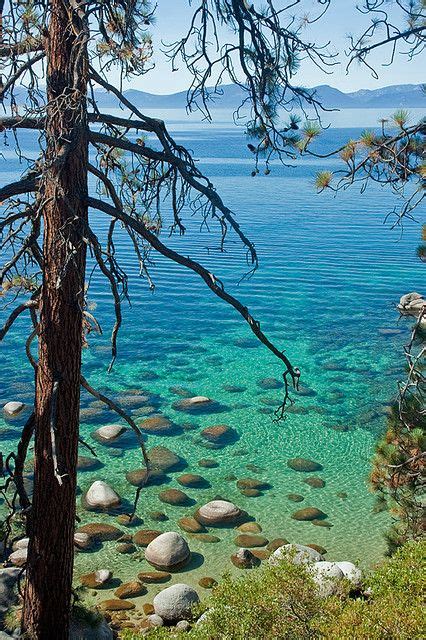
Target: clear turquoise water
330	273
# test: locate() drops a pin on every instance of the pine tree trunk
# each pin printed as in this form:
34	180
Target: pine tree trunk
64	210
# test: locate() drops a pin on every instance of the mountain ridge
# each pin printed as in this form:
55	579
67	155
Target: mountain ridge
397	96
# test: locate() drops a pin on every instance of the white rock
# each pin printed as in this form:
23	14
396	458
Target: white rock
297	553
13	408
183	625
218	512
21	544
327	576
101	496
109	432
175	602
102	576
155	620
19	557
82	540
168	551
409	297
351	572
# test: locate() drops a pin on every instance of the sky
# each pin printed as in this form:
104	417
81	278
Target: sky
172	20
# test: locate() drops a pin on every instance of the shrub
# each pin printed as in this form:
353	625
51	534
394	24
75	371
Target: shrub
280	603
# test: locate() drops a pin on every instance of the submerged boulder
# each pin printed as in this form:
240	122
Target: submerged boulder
109	433
303	464
310	513
101	497
194	404
218	513
168	551
13	408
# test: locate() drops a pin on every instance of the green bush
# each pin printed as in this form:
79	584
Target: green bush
280	603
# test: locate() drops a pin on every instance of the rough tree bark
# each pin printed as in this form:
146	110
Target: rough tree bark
62	202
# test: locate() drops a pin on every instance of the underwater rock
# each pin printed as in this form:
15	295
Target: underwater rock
138	477
233	388
250	527
219	436
248	541
314	482
83	541
218	512
143	537
85	463
317	547
303	464
208	538
175	497
244	559
175	602
250	493
191	525
194	404
208	463
253	483
96	579
13	408
116	605
295	497
207	582
164	459
309	513
169	551
100	532
131	589
158	425
154	577
276	544
100	497
270	383
193	481
109	433
158	516
126	548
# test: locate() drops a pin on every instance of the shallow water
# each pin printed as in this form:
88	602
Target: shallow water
330	273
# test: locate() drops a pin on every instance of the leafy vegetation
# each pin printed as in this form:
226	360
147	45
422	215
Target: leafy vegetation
281	603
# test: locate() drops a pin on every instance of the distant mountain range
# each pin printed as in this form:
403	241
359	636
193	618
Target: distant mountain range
395	96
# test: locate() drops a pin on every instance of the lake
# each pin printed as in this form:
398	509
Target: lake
330	274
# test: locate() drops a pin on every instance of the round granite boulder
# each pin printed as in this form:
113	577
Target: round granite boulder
85	463
115	604
303	464
169	551
218	513
295	553
244	559
175	603
101	497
